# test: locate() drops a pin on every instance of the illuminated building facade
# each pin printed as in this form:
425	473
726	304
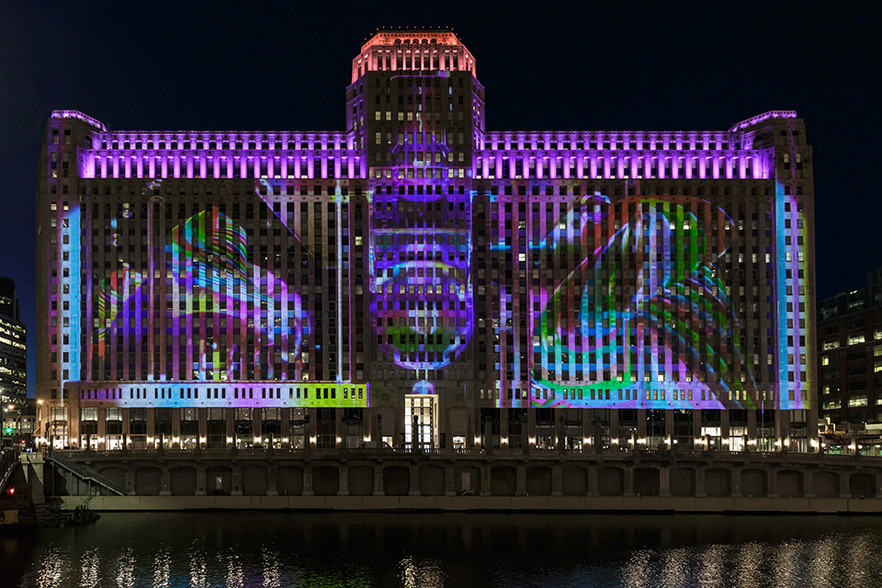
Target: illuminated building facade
850	357
418	280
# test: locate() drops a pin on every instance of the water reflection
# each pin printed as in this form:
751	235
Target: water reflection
275	550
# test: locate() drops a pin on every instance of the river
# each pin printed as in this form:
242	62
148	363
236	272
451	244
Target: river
420	550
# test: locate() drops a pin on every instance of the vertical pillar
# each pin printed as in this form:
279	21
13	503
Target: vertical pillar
736	482
102	429
773	483
164	481
307	480
236	480
229	424
151	426
592	481
700	488
130	480
126	427
272	480
343	487
844	485
414	478
339	432
751	429
485	479
628	480
176	427
202	415
450	480
200	481
556	480
521	473
257	425
379	489
641	427
808	483
664	481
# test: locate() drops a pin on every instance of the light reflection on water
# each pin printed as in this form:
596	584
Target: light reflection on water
274	550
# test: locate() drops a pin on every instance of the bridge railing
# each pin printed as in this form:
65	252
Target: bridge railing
8	463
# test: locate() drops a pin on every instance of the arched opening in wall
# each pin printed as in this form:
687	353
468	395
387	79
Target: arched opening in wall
218	481
432	481
539	481
503	481
610	482
361	480
115	475
254	482
182	481
396	481
646	482
468	481
289	481
862	485
682	482
826	484
754	482
790	484
147	481
325	481
574	481
718	482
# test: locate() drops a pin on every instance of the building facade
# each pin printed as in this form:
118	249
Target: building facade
418	280
850	358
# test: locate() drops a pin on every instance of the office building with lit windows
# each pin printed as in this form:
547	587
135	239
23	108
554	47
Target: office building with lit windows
418	280
13	348
850	360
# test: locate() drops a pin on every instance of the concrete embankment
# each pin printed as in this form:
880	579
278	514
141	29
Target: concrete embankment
482	503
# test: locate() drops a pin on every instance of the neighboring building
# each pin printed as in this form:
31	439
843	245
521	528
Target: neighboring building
13	347
416	278
850	357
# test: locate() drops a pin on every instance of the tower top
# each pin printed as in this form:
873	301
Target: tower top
412	37
417	50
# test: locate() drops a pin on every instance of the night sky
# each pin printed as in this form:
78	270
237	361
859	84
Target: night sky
611	65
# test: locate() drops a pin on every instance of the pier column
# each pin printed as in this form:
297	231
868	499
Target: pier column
773	483
307	480
343	488
736	482
808	483
628	481
556	480
485	479
592	481
664	481
844	485
450	480
202	415
272	480
164	481
379	489
521	484
176	427
414	478
130	480
102	429
700	488
200	481
236	475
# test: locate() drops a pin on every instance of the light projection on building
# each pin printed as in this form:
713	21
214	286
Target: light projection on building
650	322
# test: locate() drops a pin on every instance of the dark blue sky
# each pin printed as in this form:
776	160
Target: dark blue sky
609	65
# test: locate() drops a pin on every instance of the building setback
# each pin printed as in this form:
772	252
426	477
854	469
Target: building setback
417	279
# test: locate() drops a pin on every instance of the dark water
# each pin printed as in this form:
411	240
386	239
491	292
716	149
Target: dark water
289	549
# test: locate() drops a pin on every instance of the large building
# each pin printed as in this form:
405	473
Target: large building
418	279
13	348
850	358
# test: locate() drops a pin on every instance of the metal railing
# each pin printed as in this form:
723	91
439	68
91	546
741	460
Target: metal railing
8	463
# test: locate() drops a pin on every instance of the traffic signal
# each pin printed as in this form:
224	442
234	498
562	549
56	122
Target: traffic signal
8	430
